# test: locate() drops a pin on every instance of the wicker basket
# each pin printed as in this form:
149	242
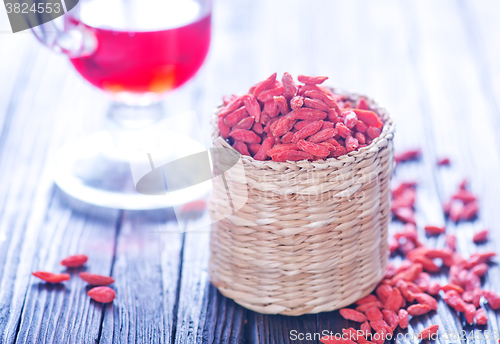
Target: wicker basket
313	235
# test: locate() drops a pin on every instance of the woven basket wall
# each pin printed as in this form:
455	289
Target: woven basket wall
313	235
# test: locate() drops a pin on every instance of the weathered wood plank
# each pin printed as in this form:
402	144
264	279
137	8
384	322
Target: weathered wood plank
146	270
36	228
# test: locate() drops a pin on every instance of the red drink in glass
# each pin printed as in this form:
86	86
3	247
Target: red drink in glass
145	61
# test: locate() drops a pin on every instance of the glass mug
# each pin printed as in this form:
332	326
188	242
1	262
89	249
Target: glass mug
136	51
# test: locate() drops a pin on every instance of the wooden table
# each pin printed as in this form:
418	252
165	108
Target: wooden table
433	64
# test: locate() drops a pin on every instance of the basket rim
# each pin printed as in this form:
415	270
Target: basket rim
387	131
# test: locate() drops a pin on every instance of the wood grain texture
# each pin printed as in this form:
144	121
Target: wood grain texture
146	270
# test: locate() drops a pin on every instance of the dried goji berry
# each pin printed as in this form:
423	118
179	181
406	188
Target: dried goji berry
403	288
289	85
291	155
379	337
312	80
271	108
368	117
470	313
405	214
308	114
383	292
301	124
368	298
266	145
403	320
94	279
480	269
427	264
468	296
241	148
307	131
423	281
451	286
327	125
453	300
287	138
343	130
409	275
393	245
282	104
444	254
472	282
429	332
481	317
316	104
236	116
246	136
464	195
351	314
455	212
418	309
360	137
478	258
224	129
402	187
102	294
283	125
374	314
252	106
451	241
322	135
426	299
362	104
253	148
318	151
443	162
232	106
480	236
476	297
469	211
404	200
366	328
391	318
351	144
245	123
492	298
408	155
328	146
366	306
350	119
265	85
351	334
361	127
434	288
268	95
339	151
435	230
394	300
381	325
265	117
74	261
51	277
296	102
325	98
282	147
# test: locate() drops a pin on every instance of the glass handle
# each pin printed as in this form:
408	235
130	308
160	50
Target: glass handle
76	41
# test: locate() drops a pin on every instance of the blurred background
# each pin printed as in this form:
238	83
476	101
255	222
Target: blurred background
432	64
